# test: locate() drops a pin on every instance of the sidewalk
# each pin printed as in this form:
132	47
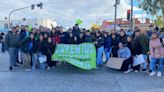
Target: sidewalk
66	78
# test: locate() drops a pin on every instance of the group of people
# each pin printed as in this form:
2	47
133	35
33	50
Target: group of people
31	44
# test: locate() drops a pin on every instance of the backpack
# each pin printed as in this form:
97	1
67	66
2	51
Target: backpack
161	42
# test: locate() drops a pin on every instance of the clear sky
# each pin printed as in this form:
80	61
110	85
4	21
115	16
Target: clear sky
65	12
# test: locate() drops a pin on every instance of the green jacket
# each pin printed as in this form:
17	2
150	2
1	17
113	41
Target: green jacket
144	42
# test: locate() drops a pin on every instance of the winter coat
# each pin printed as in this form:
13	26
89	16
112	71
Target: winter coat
12	40
107	42
100	40
156	48
89	38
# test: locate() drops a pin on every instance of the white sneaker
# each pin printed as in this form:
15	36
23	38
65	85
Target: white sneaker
152	73
131	70
159	74
128	71
136	71
48	68
53	67
27	70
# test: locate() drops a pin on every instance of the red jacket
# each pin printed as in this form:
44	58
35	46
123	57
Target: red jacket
56	39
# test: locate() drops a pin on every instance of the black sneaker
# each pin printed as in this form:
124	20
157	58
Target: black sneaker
10	68
143	70
15	66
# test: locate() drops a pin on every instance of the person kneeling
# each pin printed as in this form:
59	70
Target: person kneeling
124	52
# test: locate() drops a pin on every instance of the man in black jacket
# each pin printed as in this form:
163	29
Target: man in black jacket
12	45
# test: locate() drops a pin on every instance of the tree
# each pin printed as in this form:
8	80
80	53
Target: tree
159	21
153	7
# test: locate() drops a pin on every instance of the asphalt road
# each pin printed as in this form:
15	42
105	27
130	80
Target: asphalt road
66	78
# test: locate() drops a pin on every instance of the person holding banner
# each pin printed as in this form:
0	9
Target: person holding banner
157	54
72	39
49	52
124	52
80	38
99	42
89	37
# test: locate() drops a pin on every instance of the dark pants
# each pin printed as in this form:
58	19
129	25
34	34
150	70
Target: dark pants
114	52
126	64
136	67
49	62
13	53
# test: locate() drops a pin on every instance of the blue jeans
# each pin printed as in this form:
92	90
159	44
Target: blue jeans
107	53
153	64
34	60
99	60
144	65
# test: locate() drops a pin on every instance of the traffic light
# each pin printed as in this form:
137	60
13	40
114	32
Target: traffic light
128	14
32	7
118	1
40	5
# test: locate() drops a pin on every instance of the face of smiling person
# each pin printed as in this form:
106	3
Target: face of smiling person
120	45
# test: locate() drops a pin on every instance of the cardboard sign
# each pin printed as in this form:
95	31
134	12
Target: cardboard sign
115	63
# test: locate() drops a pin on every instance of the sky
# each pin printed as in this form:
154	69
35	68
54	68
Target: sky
66	12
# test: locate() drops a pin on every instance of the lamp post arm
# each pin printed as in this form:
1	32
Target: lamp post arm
9	24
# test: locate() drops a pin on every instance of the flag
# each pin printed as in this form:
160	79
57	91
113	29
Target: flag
79	21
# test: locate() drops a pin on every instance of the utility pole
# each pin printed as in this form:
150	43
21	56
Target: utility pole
131	15
117	2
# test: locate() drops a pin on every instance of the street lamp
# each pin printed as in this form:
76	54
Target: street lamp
31	6
117	2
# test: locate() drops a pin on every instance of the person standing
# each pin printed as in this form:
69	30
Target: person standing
144	42
107	45
114	45
63	36
72	39
99	42
76	30
122	37
26	47
89	37
157	54
1	42
136	48
12	45
49	52
80	38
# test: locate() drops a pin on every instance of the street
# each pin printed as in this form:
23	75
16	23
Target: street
66	78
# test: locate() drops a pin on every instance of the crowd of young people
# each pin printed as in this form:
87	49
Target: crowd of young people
122	44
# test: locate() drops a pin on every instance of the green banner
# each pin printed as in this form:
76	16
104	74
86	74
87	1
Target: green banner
82	55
